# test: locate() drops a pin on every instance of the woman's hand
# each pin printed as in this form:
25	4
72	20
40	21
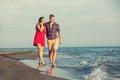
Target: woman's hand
40	26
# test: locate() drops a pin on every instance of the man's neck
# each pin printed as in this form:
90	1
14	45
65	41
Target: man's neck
51	22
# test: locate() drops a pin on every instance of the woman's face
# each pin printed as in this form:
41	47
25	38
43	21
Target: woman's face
43	20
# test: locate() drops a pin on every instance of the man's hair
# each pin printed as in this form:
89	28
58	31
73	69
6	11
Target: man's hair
51	15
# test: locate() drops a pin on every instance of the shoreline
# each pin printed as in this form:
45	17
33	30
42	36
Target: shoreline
11	69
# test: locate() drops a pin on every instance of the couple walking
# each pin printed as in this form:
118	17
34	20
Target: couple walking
51	29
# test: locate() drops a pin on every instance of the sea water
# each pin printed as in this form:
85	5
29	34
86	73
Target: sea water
82	63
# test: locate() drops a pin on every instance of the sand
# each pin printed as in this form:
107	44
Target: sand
11	69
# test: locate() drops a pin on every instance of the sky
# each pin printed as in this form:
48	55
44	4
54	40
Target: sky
82	22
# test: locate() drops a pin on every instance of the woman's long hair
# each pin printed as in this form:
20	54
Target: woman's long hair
40	19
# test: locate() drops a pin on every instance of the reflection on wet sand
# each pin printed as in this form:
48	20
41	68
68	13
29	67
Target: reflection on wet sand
51	71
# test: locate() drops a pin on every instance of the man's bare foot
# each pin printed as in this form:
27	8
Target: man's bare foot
53	65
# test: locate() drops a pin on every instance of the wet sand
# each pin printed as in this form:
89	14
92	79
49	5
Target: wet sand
11	69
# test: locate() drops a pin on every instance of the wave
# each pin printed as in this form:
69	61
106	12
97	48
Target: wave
96	74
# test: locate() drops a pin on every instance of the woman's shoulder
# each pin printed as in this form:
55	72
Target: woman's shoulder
37	24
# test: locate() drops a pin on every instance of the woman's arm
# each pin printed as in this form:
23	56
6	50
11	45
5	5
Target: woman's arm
39	27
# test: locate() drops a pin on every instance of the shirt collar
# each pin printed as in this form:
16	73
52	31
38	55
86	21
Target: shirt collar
53	23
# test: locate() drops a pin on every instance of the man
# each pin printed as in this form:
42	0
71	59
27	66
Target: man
52	28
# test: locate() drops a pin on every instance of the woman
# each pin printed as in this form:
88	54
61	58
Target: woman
39	39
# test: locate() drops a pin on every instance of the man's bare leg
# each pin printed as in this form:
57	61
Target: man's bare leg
50	56
54	57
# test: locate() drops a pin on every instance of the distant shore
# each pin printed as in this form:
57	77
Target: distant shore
11	69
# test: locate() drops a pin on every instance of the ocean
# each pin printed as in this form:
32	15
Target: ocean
81	63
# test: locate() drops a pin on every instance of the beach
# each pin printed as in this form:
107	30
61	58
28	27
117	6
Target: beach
11	69
73	63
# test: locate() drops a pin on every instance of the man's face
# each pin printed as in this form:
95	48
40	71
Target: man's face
52	19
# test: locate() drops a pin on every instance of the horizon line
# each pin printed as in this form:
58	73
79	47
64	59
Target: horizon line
63	46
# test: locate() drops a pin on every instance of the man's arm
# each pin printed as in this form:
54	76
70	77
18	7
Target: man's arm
60	37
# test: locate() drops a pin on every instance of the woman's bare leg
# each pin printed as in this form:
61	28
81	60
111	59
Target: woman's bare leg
40	53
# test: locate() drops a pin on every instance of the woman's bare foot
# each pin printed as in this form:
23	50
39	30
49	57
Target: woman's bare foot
40	66
43	63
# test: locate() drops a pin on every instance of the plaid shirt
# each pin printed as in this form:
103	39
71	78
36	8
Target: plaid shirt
51	33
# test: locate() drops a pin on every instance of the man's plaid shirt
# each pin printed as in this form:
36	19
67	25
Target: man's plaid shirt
51	33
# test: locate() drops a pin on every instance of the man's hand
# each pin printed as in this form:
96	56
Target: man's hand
60	37
60	41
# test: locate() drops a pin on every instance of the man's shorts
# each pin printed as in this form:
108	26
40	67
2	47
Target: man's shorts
52	44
